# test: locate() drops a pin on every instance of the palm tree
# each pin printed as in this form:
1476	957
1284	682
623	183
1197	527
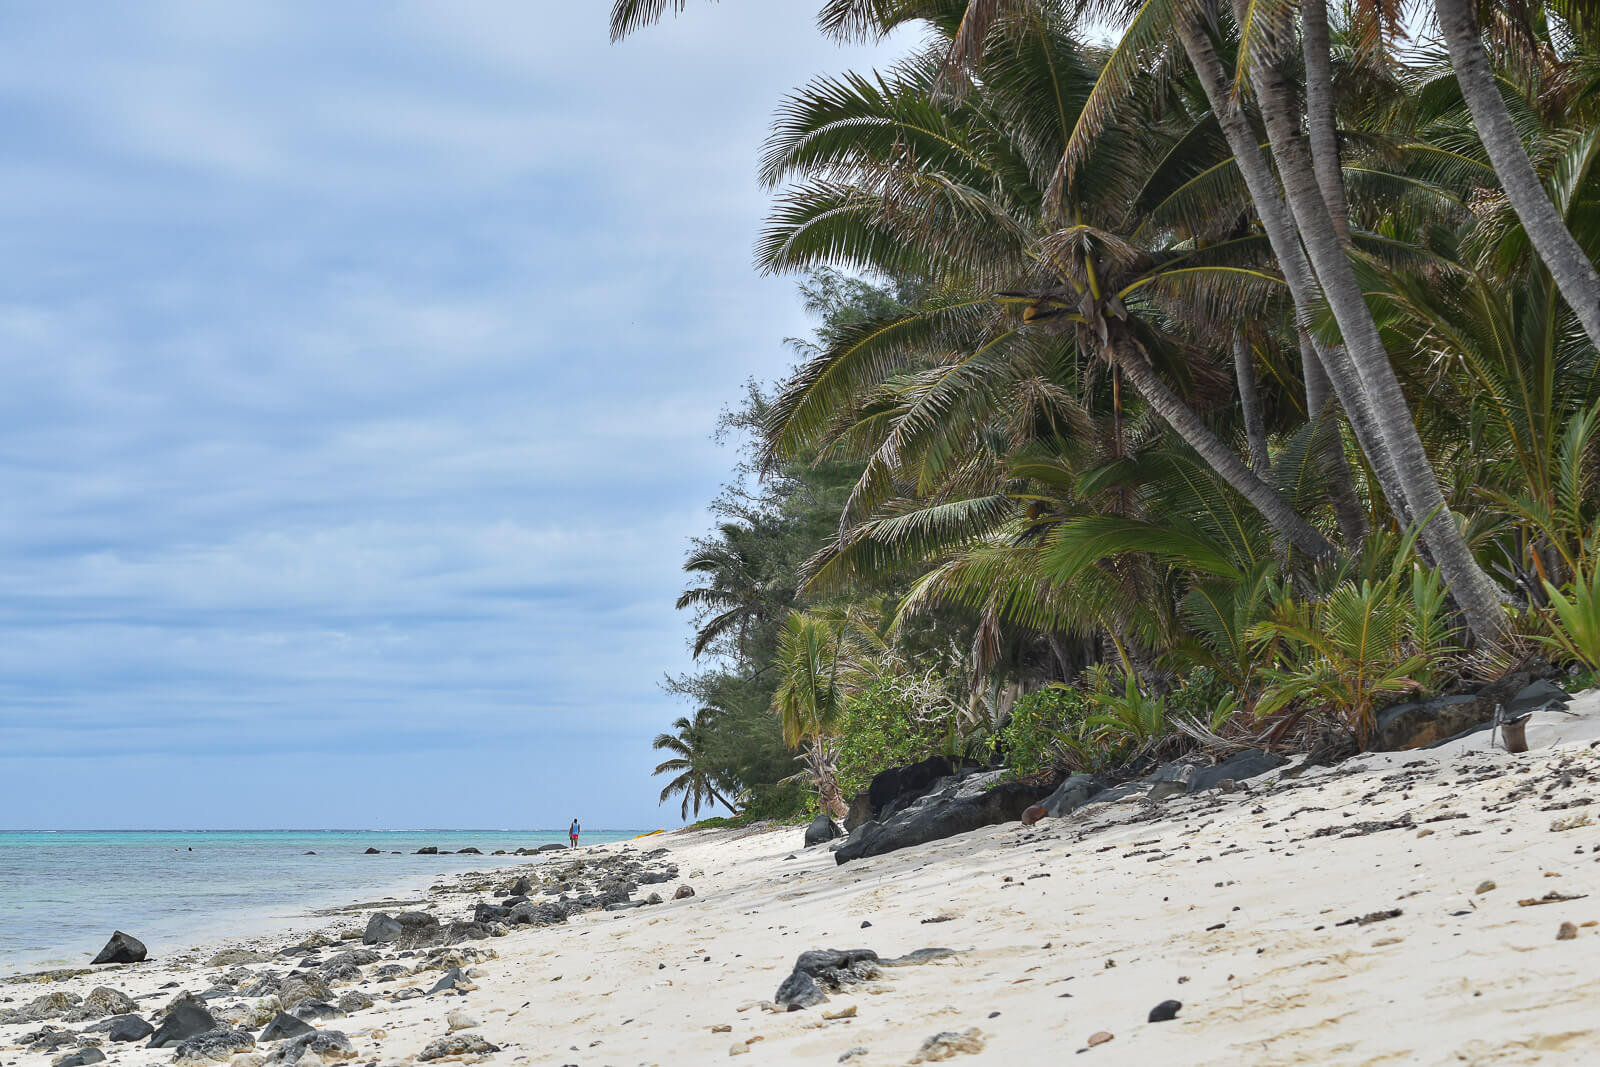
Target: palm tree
1473	589
1363	374
1571	268
689	763
966	26
1513	374
822	658
1143	55
981	436
734	597
1322	129
894	176
1360	369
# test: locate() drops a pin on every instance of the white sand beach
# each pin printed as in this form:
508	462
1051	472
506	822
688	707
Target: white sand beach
1344	916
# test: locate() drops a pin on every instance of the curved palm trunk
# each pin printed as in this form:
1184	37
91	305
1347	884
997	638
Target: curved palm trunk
825	773
1129	357
1472	588
1255	428
1364	352
719	799
1574	275
1319	363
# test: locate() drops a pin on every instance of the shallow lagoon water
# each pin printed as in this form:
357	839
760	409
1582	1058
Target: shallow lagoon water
62	894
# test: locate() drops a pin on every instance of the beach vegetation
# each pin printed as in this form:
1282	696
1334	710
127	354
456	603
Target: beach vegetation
1045	731
895	721
1574	618
1222	385
694	776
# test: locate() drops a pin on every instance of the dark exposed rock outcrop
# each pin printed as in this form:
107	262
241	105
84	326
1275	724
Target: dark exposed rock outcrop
1423	724
381	929
895	788
129	1028
122	948
185	1019
953	807
284	1026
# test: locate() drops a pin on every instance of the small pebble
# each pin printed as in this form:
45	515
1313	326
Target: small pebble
1165	1011
1100	1037
1485	886
1567	932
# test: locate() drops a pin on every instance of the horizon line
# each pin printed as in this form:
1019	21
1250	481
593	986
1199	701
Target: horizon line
326	830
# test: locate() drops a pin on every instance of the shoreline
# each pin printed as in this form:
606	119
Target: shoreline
282	916
1431	906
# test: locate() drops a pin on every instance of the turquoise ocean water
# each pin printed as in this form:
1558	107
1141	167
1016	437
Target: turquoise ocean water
61	894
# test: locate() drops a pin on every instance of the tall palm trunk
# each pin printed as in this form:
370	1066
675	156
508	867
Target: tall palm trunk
1323	130
1319	362
1127	355
1574	275
1321	125
1471	586
1341	482
1255	427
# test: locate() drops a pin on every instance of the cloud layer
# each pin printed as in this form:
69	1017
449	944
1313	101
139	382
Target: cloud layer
359	364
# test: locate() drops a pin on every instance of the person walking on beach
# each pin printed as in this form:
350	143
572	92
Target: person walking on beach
573	833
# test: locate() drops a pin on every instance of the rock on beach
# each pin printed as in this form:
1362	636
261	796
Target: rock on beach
103	1001
185	1019
381	929
320	1046
122	948
129	1028
456	1045
284	1026
822	830
214	1046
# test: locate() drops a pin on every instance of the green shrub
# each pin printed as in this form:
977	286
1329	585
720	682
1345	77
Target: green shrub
723	822
783	801
1128	717
1360	646
883	727
1043	727
749	818
1574	619
1204	696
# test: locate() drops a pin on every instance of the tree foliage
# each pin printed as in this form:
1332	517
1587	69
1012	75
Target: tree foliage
1124	361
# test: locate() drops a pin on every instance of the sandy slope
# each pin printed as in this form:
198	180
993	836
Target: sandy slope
1231	904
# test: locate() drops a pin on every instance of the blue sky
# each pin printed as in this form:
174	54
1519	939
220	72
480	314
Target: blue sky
359	365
